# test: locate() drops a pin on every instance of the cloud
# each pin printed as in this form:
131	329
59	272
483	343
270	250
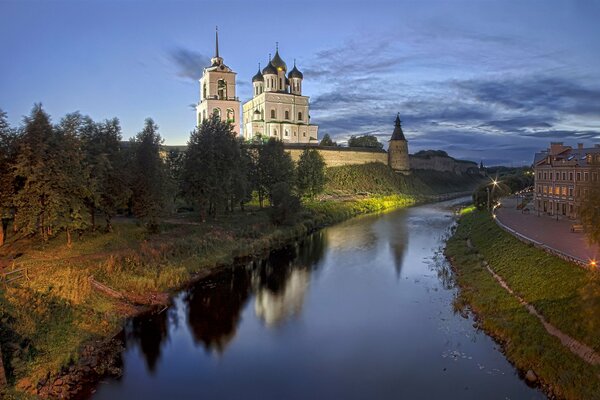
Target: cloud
190	64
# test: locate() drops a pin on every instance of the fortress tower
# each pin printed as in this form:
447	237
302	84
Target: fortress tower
217	92
398	150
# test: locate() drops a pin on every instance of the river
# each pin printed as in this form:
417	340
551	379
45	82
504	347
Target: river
360	310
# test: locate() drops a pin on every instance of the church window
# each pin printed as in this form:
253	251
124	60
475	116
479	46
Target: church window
274	132
230	115
203	115
300	116
204	91
217	112
280	83
304	134
287	133
222	89
272	113
287	115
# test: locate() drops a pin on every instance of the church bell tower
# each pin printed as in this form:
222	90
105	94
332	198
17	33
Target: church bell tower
217	92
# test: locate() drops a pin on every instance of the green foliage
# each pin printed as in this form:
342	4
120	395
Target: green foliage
7	181
214	172
327	141
364	141
285	205
589	211
517	179
274	166
566	295
150	181
310	173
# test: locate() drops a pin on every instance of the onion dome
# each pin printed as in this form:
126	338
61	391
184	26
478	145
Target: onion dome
398	134
258	77
269	69
277	62
295	72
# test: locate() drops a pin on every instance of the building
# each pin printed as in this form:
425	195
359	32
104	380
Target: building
563	176
398	149
217	92
277	108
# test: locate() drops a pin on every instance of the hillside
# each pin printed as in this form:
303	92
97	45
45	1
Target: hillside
380	179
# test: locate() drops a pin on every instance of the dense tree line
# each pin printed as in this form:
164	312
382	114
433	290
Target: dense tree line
61	177
219	172
57	177
589	212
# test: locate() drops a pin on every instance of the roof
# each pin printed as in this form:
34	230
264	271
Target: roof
398	134
571	156
295	72
258	77
269	69
278	62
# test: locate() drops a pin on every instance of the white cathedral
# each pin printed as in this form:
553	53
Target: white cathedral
277	108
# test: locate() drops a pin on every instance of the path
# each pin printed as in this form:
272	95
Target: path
581	350
548	231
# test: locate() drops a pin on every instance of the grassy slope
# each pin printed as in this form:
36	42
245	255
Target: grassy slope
567	296
45	321
379	178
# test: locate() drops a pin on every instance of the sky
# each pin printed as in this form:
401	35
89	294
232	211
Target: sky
491	81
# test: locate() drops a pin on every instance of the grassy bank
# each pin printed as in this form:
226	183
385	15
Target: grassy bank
45	320
567	296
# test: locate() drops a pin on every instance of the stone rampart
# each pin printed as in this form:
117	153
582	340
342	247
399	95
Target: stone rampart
443	164
337	156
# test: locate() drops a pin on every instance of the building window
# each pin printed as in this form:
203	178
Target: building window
287	133
551	176
230	115
545	175
217	112
281	83
273	114
204	91
578	176
557	190
539	175
586	176
287	115
222	89
300	116
564	176
545	189
274	132
304	134
571	192
564	191
570	176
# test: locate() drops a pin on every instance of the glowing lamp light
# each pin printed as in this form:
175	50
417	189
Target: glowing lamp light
593	263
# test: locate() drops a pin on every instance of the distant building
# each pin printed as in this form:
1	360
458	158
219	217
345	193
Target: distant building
398	149
278	109
217	92
563	175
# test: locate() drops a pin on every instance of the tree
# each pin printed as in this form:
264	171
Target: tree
364	141
149	177
212	168
105	159
7	182
327	141
275	166
71	177
35	176
589	211
310	173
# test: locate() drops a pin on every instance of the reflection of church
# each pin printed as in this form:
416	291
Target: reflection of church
277	109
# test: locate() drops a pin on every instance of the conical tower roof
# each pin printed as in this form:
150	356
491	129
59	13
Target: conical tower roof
398	134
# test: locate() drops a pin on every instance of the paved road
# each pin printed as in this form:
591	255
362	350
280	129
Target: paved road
547	230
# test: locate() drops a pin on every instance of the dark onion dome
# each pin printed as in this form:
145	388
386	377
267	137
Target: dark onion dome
269	69
278	62
258	77
295	73
398	134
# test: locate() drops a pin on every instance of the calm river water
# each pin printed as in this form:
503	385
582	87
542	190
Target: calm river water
360	310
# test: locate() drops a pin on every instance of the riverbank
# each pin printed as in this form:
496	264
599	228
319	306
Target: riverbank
566	296
55	322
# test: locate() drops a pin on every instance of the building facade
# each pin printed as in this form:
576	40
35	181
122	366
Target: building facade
277	108
217	92
563	176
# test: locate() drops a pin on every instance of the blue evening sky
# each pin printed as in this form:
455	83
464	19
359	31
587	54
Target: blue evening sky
483	80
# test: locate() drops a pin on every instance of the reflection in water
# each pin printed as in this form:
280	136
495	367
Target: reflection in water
214	307
394	231
148	333
274	307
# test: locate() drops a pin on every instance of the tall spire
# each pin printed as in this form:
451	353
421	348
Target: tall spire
216	42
